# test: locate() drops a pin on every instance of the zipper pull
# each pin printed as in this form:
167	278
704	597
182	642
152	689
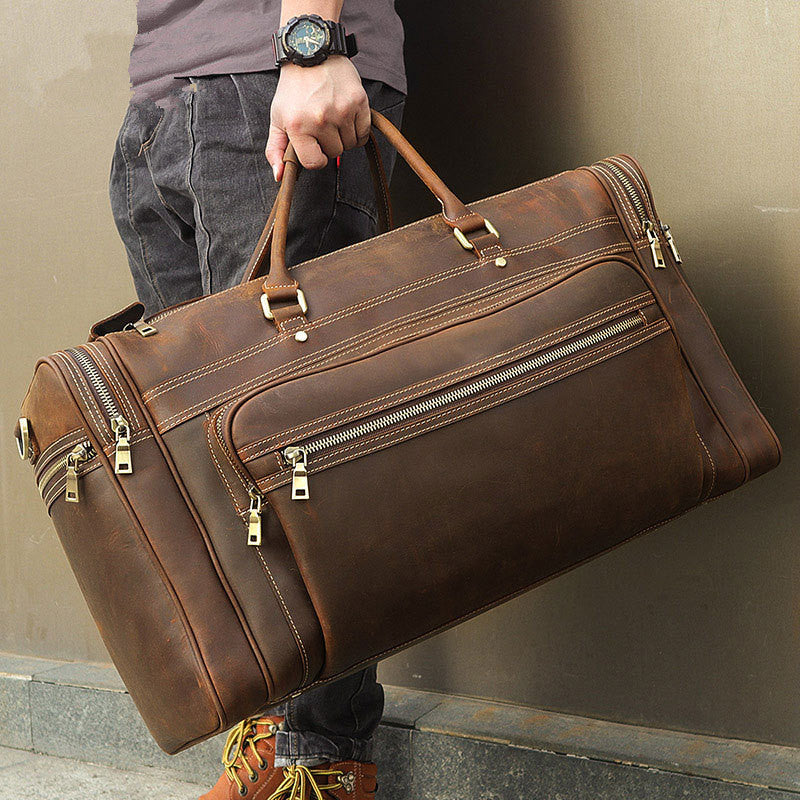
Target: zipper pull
254	518
655	245
76	456
671	242
122	447
143	328
296	456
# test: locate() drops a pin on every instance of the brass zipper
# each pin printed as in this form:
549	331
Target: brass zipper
635	191
84	451
297	455
120	427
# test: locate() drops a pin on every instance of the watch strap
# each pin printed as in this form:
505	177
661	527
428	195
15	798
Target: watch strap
341	43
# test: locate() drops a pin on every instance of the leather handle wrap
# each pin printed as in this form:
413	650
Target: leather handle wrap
273	238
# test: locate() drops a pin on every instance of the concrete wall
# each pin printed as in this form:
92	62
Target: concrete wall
692	627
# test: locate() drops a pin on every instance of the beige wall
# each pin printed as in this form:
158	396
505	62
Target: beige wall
694	626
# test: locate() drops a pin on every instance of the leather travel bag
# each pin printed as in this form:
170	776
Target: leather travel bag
266	488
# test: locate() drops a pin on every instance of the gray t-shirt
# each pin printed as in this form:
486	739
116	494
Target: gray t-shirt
179	38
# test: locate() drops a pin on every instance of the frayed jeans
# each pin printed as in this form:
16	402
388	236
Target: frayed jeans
190	192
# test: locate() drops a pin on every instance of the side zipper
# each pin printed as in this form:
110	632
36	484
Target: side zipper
633	187
123	464
82	452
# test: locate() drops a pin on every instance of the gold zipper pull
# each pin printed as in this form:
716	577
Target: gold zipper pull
296	456
655	245
254	518
671	242
143	329
74	457
122	446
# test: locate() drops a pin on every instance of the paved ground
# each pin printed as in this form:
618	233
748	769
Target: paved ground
29	776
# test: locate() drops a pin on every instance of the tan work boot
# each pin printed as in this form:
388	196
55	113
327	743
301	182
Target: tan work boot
250	771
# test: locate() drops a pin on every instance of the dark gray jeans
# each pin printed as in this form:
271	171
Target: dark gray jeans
190	191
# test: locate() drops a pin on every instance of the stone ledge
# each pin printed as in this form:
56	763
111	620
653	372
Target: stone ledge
429	745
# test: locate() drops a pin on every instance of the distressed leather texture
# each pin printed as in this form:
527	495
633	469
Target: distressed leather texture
489	424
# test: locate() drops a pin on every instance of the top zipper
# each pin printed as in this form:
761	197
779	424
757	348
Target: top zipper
120	426
636	192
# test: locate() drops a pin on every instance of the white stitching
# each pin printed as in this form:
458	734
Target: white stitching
61	481
498	396
633	173
58	487
219	466
326	355
460	216
298	639
89	402
44	454
319	357
359	245
266	569
261	249
69	445
625	203
711	461
431	384
399	291
123	398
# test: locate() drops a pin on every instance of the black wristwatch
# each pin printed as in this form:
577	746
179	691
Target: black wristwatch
308	40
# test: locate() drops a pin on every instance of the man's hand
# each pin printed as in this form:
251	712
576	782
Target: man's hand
323	110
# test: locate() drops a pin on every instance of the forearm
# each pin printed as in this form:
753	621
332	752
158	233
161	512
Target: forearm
321	108
327	9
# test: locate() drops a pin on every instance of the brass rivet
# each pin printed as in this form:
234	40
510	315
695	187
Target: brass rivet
500	262
301	336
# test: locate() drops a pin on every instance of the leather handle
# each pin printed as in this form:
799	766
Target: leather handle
454	212
258	264
279	286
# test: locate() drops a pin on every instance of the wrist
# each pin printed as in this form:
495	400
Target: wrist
309	39
327	9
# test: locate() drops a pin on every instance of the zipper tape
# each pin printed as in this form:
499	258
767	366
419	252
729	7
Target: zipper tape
118	424
477	385
626	177
297	455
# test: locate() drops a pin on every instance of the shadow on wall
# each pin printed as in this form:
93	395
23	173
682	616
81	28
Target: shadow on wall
486	93
692	627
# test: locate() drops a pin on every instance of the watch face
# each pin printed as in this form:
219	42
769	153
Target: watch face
306	37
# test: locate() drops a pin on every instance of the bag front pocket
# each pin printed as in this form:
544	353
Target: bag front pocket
463	482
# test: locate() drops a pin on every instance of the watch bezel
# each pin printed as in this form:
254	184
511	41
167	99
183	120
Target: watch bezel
295	56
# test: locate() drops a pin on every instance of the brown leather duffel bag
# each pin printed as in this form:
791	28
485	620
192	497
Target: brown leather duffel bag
266	488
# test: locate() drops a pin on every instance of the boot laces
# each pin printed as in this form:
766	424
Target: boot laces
303	783
234	755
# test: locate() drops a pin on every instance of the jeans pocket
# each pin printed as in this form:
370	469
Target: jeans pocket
354	183
149	134
139	129
353	180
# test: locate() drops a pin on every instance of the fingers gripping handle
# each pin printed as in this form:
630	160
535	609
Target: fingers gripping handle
260	259
279	286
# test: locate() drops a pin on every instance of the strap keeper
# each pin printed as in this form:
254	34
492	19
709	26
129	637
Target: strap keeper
301	301
466	243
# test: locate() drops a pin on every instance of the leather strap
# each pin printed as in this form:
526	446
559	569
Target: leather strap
279	286
258	264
